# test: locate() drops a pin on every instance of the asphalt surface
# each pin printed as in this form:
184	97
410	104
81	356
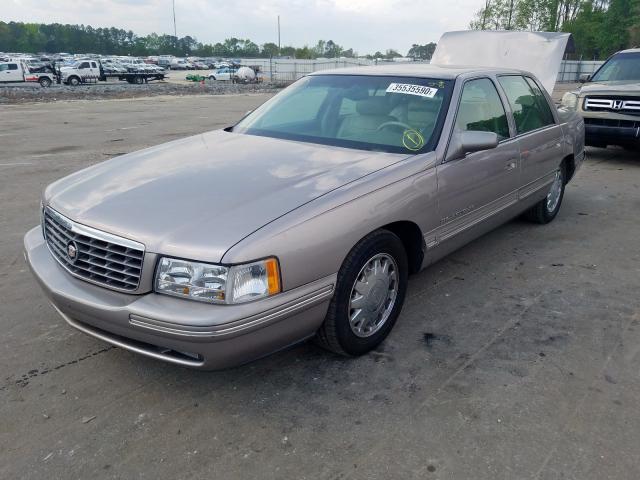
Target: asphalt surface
514	358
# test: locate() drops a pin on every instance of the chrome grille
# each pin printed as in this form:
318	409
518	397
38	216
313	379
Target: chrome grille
92	255
619	104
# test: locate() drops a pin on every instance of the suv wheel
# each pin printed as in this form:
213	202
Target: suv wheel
546	209
370	291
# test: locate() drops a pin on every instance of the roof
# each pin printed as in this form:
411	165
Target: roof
415	70
630	50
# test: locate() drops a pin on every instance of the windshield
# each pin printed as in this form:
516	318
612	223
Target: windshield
382	113
620	67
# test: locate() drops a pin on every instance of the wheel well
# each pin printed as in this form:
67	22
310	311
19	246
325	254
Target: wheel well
413	241
569	163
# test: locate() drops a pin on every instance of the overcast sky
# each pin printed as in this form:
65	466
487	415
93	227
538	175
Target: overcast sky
364	25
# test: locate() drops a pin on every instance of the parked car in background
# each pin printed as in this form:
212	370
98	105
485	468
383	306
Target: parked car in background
200	65
180	64
609	101
224	74
165	62
325	199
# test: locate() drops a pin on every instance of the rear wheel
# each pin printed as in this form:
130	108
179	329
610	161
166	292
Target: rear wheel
45	82
546	209
139	80
369	294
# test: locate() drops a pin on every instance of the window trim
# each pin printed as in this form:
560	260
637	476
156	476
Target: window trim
539	129
507	113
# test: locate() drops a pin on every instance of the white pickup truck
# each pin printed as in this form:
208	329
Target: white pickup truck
16	71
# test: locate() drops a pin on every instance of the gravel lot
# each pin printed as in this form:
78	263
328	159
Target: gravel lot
514	358
113	89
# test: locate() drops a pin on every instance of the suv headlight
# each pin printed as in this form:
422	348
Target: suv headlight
212	283
570	101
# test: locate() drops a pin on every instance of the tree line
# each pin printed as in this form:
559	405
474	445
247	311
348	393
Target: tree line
56	38
599	27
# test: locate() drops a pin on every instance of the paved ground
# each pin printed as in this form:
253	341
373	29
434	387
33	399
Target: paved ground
514	358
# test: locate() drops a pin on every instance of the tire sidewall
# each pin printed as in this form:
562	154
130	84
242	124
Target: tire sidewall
384	242
548	216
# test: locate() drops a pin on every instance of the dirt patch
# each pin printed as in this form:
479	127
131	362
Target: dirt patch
118	90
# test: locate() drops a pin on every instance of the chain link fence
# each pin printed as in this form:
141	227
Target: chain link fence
290	70
570	70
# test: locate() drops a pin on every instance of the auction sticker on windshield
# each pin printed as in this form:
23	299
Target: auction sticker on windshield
411	89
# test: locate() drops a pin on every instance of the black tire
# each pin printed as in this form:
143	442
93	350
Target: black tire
336	334
74	81
540	213
212	77
45	82
138	80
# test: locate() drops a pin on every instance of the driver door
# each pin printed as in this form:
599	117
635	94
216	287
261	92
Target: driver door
478	186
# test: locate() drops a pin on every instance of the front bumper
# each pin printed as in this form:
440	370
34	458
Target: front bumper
604	131
175	330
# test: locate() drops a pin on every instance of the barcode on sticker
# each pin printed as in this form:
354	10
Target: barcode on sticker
411	89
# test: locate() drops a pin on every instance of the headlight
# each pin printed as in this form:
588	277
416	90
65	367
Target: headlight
217	283
570	101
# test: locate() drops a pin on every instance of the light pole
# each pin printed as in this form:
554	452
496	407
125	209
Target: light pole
175	32
278	35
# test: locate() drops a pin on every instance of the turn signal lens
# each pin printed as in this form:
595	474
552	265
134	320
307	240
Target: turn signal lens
273	276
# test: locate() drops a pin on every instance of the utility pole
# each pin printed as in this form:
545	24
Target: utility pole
510	15
278	35
175	32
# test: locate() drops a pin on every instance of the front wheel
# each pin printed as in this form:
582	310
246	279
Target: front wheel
370	291
546	209
74	81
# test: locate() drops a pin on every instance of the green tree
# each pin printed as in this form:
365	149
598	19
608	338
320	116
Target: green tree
269	50
422	52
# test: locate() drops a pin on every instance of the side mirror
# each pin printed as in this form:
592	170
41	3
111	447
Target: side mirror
464	142
584	78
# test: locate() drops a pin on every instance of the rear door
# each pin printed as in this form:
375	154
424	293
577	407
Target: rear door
480	185
537	132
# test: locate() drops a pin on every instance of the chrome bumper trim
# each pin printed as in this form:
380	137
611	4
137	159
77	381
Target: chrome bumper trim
124	343
270	316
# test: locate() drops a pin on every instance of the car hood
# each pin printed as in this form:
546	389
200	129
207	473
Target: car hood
618	88
196	197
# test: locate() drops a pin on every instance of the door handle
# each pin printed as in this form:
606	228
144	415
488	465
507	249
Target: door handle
510	165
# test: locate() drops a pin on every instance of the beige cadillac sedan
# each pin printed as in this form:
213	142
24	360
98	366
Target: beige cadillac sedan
306	218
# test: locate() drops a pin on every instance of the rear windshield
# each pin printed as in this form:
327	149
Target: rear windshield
620	67
382	113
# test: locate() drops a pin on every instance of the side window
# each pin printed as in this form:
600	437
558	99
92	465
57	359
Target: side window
529	106
13	66
541	102
93	65
481	109
4	66
84	65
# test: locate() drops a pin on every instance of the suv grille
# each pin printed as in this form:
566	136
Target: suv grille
92	255
630	106
610	122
